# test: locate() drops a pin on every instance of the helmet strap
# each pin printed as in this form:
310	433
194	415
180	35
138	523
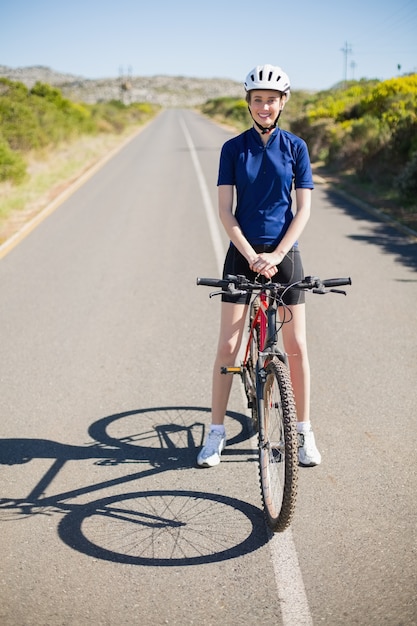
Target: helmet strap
265	130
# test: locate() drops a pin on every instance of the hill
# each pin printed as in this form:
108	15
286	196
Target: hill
166	91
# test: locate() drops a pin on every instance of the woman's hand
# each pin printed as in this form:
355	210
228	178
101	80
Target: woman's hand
266	263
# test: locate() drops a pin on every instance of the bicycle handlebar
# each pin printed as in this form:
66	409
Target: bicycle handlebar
336	282
213	282
241	284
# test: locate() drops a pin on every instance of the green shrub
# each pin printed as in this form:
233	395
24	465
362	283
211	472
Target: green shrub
392	99
318	135
231	110
41	117
239	112
406	181
58	117
12	164
20	126
355	142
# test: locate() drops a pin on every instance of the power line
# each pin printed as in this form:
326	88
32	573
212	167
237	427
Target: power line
346	51
402	20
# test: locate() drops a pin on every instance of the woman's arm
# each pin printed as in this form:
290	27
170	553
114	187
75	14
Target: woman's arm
267	262
299	221
231	225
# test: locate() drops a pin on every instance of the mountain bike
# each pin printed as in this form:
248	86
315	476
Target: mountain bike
266	378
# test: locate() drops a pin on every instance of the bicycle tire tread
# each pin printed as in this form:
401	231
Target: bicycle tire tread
281	521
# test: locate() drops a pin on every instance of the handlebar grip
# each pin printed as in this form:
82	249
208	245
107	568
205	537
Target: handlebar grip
337	282
211	282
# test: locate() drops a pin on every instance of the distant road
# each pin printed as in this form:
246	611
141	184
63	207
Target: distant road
107	347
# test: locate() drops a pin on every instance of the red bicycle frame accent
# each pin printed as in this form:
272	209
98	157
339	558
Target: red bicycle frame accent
259	321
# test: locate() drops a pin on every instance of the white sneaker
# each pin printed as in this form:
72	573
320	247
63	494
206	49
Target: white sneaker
209	455
308	455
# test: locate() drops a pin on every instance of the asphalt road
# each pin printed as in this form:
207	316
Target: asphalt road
106	355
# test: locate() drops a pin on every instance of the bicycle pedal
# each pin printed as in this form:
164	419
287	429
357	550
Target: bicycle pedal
231	370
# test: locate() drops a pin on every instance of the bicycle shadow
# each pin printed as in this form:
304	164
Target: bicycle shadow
159	441
172	527
169	528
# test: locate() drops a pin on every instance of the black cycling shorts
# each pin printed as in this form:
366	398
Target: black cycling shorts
289	271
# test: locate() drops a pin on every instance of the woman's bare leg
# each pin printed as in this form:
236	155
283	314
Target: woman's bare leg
295	344
232	322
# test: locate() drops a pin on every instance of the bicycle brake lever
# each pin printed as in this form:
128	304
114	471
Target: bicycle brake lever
237	292
232	292
323	291
338	291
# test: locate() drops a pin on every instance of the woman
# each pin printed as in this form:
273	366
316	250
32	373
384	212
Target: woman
262	164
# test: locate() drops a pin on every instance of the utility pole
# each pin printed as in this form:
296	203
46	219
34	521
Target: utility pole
346	51
125	85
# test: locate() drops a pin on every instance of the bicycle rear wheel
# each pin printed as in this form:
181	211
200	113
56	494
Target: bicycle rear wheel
278	450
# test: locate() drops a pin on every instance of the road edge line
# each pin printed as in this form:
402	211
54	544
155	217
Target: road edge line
208	206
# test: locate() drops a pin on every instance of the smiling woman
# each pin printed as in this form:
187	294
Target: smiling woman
261	165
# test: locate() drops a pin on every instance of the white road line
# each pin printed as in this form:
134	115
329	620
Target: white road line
219	248
291	591
289	581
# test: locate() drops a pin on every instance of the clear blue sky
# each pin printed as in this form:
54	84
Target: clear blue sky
216	38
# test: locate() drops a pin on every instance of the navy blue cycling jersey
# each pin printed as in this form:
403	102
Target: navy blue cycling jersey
264	176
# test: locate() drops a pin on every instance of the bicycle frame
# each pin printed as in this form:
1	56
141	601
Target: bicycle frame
263	332
264	323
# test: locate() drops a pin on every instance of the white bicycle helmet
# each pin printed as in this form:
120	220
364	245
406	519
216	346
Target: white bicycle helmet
268	77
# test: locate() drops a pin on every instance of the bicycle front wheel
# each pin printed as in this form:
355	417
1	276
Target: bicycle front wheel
278	451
